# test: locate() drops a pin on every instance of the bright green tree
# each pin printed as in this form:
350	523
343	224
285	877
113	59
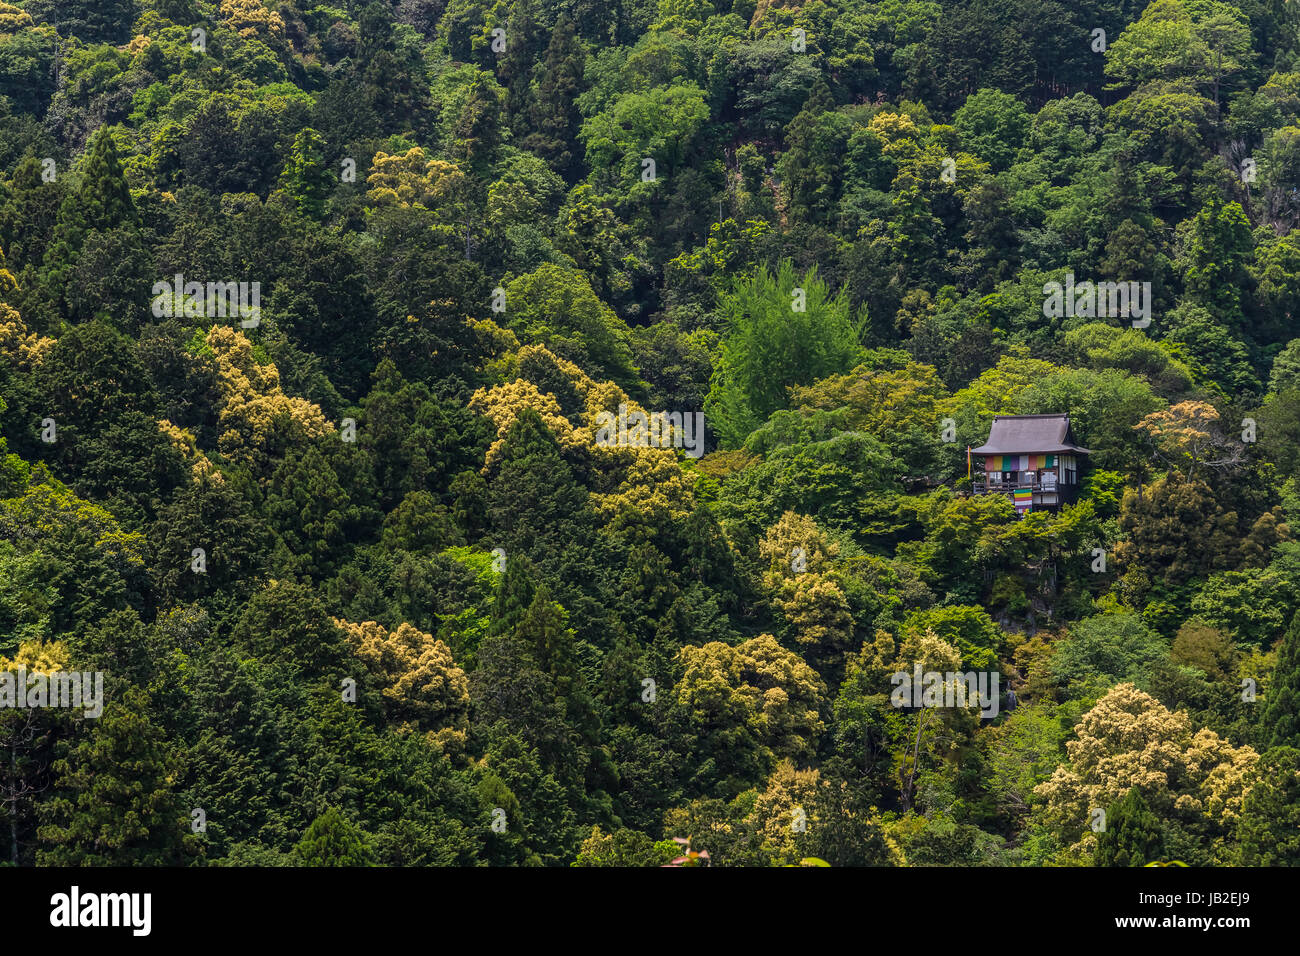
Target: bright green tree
558	308
304	177
992	126
332	840
782	332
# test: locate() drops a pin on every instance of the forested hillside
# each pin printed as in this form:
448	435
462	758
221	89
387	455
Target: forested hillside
335	345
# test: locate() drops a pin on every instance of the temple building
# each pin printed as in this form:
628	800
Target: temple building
1030	458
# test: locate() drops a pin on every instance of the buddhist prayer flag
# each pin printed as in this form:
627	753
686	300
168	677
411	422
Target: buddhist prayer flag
1024	499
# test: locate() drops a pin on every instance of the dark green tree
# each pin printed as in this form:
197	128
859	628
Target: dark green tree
1268	830
1132	836
311	514
90	21
554	110
209	513
114	802
1279	724
101	204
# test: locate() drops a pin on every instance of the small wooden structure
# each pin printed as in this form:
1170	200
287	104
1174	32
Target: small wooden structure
1033	459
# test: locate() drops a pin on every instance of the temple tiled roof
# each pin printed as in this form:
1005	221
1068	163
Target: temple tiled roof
1029	434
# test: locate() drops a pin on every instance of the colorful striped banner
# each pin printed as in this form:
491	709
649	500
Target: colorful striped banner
1023	499
1022	462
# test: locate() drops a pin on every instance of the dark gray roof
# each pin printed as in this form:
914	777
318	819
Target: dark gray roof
1029	434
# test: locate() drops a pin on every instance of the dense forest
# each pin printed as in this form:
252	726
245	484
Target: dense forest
330	333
